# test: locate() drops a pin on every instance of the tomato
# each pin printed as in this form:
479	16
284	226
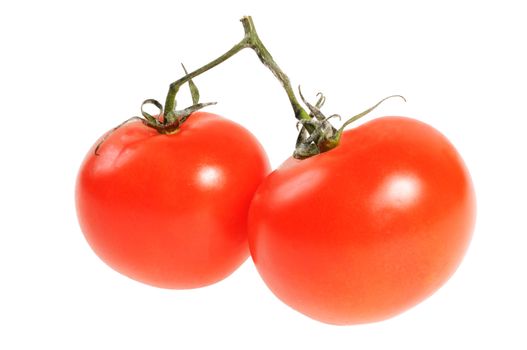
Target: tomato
367	230
171	210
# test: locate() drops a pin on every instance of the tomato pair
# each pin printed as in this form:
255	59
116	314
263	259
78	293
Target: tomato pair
356	234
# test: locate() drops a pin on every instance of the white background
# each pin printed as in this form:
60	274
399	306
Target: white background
70	71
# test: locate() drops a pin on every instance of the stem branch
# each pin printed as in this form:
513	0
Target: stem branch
250	40
265	57
170	103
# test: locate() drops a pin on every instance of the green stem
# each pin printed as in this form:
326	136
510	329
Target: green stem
265	57
170	103
250	40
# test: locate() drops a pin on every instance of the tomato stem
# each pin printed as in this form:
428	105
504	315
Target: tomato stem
265	57
250	40
316	134
170	103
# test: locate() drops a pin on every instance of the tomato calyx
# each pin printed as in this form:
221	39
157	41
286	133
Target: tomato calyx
170	122
163	123
316	134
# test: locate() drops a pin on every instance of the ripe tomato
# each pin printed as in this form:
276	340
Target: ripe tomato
364	231
171	210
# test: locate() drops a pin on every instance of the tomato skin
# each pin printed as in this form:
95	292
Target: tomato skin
171	210
367	230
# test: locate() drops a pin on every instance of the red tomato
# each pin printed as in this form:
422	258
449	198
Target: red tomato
367	230
171	210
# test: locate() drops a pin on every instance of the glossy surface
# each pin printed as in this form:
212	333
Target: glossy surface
171	210
367	230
